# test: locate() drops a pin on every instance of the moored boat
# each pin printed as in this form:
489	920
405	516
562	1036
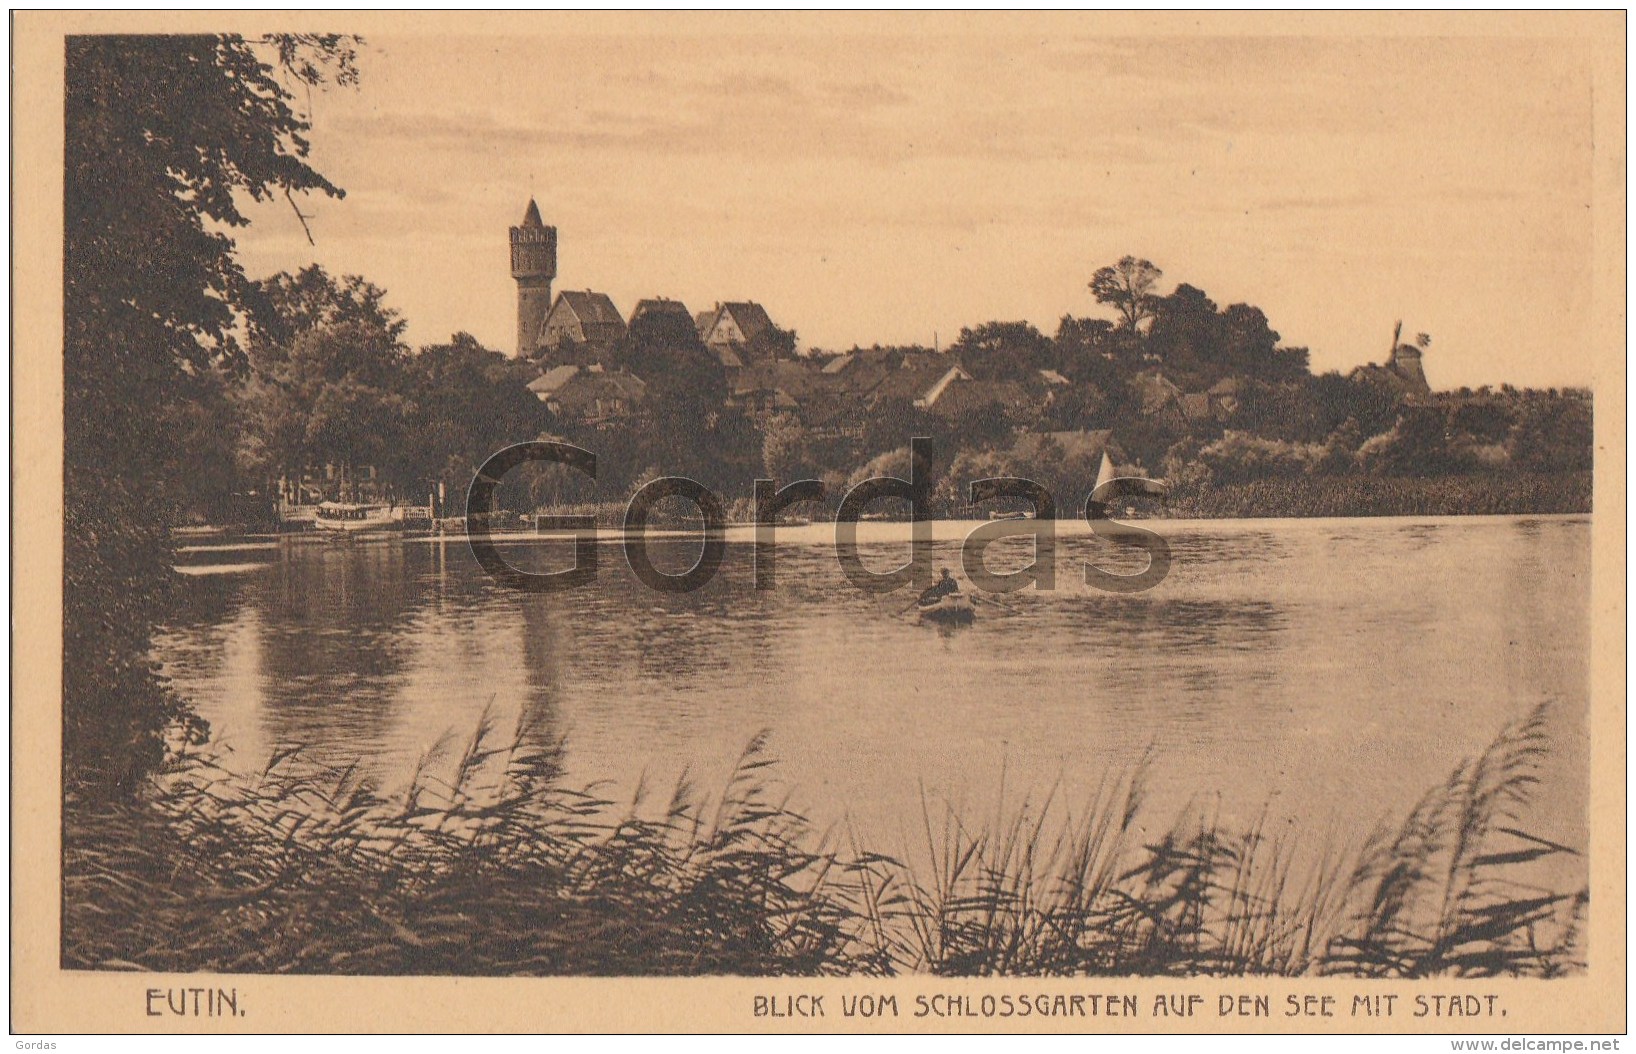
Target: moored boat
1110	487
351	518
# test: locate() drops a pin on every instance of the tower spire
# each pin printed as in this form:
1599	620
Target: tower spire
533	265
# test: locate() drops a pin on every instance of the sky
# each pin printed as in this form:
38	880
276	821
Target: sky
891	187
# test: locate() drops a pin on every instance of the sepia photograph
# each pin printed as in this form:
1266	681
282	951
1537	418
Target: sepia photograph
850	501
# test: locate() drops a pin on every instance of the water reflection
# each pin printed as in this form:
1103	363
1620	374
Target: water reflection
1337	667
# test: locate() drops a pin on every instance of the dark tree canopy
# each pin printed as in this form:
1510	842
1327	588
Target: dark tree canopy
327	379
1002	350
162	133
464	402
282	307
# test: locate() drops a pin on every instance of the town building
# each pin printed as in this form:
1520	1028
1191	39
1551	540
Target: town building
583	324
590	395
740	329
533	266
660	307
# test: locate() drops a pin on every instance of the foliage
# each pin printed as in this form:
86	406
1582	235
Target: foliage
1127	287
892	421
1240	456
684	426
499	870
1512	493
505	869
772	343
1002	350
1200	345
785	448
1552	434
333	396
1091	352
161	134
1448	892
892	464
464	402
285	306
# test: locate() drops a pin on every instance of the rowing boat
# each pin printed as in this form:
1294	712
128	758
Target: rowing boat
950	607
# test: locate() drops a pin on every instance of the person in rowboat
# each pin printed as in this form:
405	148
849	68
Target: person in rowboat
941	588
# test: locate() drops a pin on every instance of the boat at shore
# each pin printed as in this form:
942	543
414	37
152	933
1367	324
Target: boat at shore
351	518
950	607
1111	487
198	532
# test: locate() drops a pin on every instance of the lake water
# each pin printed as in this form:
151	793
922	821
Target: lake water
1330	671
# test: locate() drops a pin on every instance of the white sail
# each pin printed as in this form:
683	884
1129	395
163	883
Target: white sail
1104	476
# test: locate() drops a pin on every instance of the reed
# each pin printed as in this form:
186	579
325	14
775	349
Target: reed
500	867
1451	890
1512	492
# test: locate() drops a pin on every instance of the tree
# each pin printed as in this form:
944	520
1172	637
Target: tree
1558	435
689	431
772	343
892	421
786	449
160	134
463	403
1186	332
1085	349
280	308
329	383
1127	287
1239	457
1371	405
1002	350
1419	444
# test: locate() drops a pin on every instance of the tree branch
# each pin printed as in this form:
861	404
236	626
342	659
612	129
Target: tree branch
300	216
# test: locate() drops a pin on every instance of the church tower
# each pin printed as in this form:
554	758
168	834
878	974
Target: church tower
533	265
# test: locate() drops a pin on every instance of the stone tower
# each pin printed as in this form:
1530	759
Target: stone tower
533	265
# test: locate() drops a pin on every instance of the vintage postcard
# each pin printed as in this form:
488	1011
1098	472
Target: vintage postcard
819	522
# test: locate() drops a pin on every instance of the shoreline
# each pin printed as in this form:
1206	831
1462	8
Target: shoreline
742	532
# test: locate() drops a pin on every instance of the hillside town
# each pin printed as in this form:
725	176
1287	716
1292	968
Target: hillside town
1172	386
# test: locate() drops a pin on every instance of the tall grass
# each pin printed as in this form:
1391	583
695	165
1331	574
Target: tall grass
1513	493
1450	892
502	868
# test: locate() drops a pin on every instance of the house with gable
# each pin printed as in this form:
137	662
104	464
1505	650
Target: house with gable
1011	400
596	397
740	329
582	325
551	381
660	307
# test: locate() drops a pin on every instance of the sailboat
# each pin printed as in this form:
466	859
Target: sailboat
1110	486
